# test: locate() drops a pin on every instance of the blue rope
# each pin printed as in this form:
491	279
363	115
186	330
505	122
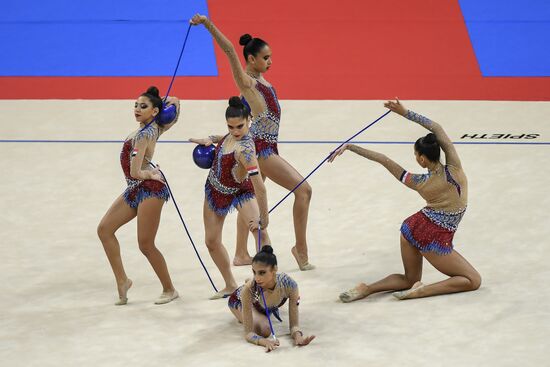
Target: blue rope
164	177
324	160
178	64
173	76
261	290
185	226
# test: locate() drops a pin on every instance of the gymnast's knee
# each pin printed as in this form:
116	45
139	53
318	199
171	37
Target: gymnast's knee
212	244
305	191
103	231
475	281
146	246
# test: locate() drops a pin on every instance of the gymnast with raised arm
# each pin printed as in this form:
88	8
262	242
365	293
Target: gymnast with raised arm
260	96
428	233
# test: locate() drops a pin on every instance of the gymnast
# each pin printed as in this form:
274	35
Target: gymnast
247	303
143	198
234	181
428	233
260	95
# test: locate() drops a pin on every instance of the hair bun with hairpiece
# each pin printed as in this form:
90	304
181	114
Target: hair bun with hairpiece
430	139
245	38
236	102
267	249
154	91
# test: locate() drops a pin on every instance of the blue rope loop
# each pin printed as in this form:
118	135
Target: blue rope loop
324	160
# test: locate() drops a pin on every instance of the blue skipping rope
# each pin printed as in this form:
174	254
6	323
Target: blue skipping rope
184	226
262	291
324	160
162	173
173	76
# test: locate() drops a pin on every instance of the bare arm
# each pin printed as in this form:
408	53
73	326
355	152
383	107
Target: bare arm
248	322
243	80
294	317
412	181
246	155
136	162
451	156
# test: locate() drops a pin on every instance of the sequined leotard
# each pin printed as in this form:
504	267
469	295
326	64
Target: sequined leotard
248	296
434	226
223	189
445	190
265	126
139	190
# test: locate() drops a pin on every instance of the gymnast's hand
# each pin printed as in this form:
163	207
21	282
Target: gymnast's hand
156	175
301	340
338	152
264	220
269	344
172	101
396	107
205	141
254	224
198	19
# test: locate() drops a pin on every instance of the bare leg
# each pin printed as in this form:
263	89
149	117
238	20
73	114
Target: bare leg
412	263
463	277
261	324
148	219
283	174
248	212
213	226
242	257
116	216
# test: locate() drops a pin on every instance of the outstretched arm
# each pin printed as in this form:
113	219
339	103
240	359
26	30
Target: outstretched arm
243	80
212	139
412	181
451	156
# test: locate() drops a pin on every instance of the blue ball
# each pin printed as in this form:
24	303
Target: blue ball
167	115
203	156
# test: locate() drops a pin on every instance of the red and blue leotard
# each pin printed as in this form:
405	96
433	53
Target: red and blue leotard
223	189
265	126
139	190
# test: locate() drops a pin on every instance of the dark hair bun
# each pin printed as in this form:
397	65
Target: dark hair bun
154	91
245	38
267	249
236	102
430	139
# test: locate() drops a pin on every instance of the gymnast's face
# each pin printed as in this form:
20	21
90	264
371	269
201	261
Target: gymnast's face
262	61
238	127
144	111
264	275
